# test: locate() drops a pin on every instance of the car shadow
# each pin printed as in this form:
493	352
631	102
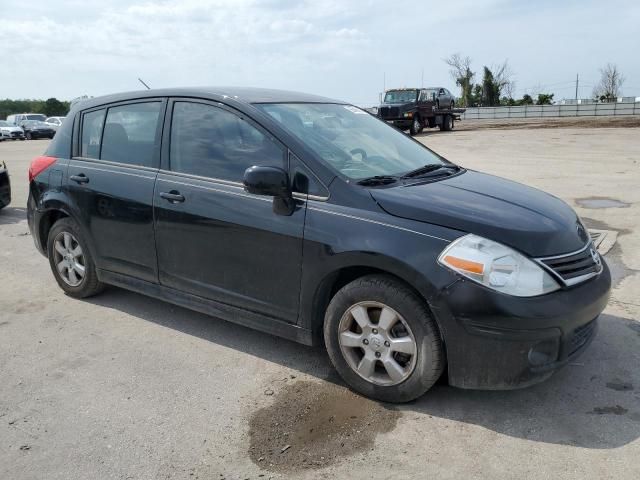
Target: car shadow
591	403
10	215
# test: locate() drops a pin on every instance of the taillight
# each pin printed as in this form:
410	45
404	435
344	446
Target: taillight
39	165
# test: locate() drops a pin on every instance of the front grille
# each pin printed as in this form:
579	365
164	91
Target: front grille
389	112
581	336
575	267
16	134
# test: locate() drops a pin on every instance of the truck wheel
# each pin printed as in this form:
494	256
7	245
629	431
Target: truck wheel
447	123
416	126
382	339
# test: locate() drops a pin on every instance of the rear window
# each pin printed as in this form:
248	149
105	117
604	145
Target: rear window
39	117
91	133
130	133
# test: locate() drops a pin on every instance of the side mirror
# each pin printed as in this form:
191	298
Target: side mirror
270	181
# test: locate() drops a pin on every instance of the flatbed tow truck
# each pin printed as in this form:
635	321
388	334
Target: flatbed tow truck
414	109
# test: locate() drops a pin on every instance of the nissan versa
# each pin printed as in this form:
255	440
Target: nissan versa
311	219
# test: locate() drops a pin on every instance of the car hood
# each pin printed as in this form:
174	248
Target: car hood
527	219
11	129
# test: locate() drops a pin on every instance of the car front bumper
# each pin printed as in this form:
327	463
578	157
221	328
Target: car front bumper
498	342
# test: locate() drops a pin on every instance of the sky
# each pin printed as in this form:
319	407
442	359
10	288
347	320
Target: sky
345	49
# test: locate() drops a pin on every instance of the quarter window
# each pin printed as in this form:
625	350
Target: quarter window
211	142
130	133
91	133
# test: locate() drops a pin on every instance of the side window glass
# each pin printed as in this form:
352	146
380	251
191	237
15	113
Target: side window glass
130	133
303	181
212	142
91	133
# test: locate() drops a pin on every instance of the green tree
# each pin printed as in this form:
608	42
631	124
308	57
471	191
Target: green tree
526	100
462	74
55	108
545	99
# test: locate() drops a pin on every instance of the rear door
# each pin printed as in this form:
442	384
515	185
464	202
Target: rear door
213	239
111	179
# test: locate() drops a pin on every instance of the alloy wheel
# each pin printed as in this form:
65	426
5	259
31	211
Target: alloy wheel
69	259
377	343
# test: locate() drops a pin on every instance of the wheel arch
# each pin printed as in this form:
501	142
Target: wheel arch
337	278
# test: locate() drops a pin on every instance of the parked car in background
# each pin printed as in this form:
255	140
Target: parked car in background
54	122
309	218
10	132
18	118
34	129
5	186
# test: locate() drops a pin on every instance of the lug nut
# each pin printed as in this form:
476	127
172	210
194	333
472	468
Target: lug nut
378	354
375	331
365	341
386	343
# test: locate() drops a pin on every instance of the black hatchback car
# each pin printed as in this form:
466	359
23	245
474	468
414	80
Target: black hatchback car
308	218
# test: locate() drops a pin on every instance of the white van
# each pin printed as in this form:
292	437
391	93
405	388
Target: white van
21	117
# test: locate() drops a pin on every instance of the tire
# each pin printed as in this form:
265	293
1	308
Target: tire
88	284
29	136
416	126
383	296
447	123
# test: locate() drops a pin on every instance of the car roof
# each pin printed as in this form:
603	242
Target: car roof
246	95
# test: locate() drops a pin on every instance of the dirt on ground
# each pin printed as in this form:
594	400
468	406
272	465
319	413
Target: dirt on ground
311	425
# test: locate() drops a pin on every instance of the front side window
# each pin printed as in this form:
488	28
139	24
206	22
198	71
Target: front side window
91	134
350	140
130	133
211	142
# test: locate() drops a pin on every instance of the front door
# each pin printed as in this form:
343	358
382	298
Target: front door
213	239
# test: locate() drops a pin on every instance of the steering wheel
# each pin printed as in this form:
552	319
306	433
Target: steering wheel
360	151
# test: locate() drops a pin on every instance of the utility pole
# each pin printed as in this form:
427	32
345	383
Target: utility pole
576	86
384	81
422	79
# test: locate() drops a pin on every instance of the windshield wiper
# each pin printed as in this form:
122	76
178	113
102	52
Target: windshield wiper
378	180
432	167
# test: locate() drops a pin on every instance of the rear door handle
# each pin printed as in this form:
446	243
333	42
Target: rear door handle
173	196
81	178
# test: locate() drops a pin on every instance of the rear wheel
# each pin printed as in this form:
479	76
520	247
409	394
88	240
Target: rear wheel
382	339
447	123
70	260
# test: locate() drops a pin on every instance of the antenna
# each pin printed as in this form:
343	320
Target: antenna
142	82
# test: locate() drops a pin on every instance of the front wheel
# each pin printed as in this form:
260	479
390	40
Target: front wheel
382	339
416	126
29	136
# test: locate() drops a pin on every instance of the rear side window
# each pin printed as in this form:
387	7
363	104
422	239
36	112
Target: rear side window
91	134
130	133
211	142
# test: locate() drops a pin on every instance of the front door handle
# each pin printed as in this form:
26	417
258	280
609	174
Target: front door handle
173	196
81	178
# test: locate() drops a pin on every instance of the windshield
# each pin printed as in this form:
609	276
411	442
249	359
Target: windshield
400	96
350	140
36	116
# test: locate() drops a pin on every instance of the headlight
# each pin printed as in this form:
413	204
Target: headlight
497	267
